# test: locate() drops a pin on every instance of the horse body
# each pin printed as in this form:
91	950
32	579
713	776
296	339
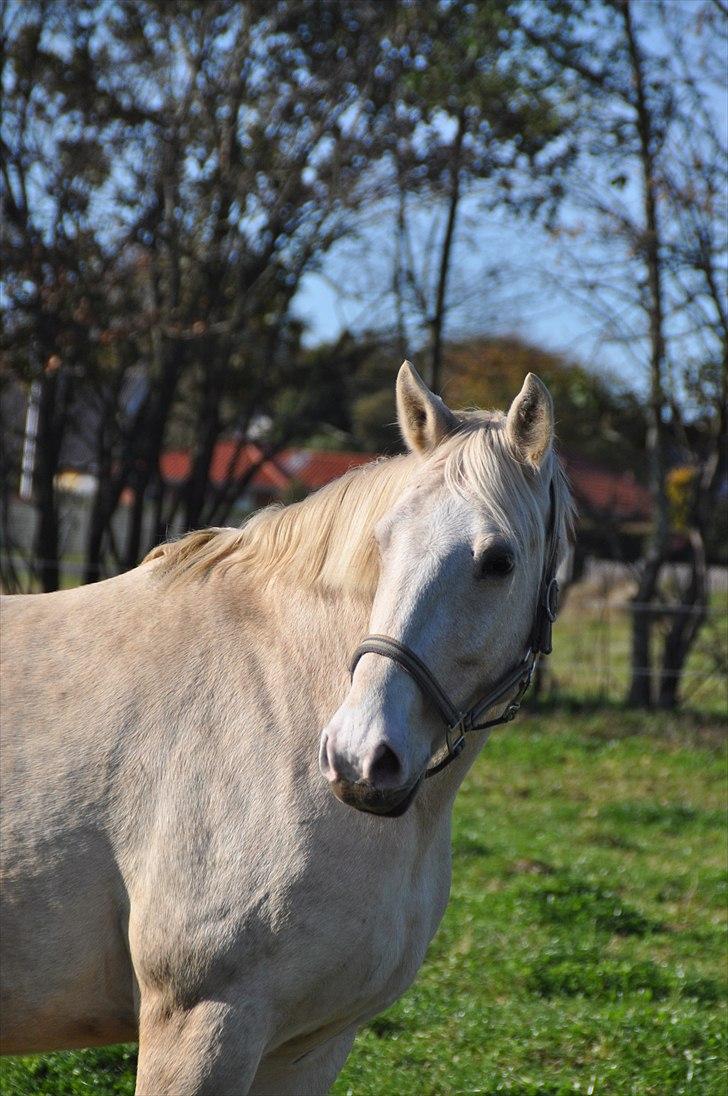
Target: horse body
64	960
175	865
181	770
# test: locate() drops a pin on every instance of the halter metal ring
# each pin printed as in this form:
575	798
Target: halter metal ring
455	746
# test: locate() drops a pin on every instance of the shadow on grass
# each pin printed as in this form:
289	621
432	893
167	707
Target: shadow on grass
384	1027
668	817
587	974
465	845
569	901
571	704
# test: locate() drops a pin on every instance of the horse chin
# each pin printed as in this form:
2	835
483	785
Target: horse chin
363	797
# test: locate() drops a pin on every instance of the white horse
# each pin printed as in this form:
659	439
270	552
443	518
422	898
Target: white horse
176	867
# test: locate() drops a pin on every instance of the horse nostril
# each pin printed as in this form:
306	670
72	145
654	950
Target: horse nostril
384	769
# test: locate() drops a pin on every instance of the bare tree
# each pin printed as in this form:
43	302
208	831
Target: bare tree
644	206
163	205
476	128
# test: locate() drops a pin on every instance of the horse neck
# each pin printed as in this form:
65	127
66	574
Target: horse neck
323	626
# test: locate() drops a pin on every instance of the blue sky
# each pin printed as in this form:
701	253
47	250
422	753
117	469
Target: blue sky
520	303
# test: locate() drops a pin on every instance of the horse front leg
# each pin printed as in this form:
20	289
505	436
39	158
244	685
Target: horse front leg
208	1049
313	1074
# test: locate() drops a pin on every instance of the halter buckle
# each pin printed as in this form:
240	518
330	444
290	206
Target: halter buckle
456	747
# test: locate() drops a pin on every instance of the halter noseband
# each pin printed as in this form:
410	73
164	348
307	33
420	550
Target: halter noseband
459	723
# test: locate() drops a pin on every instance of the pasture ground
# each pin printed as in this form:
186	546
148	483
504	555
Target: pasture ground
584	947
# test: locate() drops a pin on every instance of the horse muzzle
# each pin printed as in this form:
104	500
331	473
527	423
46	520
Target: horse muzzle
387	803
367	766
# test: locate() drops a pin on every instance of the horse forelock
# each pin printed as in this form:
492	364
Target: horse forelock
480	465
327	540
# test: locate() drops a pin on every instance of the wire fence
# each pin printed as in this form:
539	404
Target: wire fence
592	652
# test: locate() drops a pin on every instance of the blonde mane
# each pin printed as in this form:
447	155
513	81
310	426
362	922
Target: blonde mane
327	540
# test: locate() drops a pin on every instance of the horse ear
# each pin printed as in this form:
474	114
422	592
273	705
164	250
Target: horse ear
423	418
530	422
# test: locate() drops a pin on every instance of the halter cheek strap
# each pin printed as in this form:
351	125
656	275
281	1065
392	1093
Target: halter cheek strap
457	722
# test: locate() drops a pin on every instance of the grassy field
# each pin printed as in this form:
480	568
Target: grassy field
584	948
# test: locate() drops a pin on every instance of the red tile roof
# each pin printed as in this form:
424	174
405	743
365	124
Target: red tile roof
596	489
310	467
315	468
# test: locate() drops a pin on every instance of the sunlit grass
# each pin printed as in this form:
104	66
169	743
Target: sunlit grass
583	949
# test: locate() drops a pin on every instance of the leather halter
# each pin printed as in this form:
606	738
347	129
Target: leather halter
457	722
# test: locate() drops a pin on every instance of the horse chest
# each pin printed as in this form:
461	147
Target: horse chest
322	925
355	940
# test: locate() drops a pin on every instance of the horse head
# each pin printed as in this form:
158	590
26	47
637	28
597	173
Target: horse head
467	559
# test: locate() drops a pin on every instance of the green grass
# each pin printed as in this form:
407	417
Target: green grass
584	948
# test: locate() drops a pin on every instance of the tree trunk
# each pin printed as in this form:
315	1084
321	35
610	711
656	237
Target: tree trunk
207	434
399	279
689	618
641	690
438	319
51	418
132	548
228	493
159	522
146	464
101	512
105	500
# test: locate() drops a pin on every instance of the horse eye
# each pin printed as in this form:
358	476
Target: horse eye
495	562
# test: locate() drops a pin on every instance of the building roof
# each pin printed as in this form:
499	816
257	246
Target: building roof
315	468
597	490
233	460
600	491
